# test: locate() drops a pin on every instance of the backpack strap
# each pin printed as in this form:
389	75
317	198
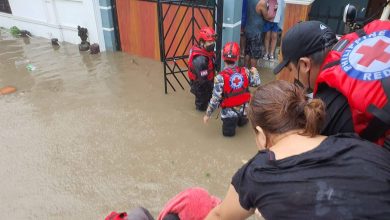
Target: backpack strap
331	64
387	143
361	32
381	122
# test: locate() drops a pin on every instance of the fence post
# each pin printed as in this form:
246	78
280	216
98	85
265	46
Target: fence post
231	27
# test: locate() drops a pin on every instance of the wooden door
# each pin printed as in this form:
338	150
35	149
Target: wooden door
138	28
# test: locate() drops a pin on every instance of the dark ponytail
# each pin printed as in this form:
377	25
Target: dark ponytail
315	115
280	106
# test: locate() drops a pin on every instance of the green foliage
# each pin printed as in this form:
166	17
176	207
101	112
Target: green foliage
15	31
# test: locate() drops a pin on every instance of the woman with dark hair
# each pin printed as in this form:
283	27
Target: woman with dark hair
299	174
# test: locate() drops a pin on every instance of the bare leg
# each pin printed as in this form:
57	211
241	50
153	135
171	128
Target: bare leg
247	61
253	63
266	42
242	44
274	39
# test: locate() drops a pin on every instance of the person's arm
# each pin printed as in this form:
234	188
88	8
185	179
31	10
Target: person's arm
261	9
200	66
230	208
253	76
215	98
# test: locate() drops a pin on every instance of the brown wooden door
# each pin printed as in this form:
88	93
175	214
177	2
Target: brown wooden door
138	28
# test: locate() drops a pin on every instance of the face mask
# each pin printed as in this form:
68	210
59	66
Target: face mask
309	96
297	82
309	90
210	48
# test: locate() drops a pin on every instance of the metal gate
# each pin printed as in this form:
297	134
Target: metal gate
179	22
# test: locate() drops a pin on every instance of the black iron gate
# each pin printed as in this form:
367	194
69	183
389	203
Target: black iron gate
179	21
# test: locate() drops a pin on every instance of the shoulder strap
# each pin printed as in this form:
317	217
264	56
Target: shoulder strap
340	45
331	64
361	32
242	70
381	122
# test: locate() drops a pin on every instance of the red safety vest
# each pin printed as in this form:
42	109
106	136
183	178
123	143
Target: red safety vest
235	88
197	51
359	68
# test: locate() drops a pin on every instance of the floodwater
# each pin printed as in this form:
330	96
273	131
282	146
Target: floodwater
88	134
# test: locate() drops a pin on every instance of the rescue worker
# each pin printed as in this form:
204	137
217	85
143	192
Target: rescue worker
351	76
201	68
231	91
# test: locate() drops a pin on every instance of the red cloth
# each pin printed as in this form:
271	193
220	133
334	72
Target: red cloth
117	216
138	213
191	204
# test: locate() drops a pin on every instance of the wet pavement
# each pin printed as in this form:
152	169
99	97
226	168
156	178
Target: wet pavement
84	135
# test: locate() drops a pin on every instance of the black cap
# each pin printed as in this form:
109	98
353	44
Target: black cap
303	39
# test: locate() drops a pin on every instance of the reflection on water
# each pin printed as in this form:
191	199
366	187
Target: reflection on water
88	134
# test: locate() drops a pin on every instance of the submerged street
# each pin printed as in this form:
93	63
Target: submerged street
84	135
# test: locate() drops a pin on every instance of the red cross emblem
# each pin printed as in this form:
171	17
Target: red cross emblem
376	52
237	81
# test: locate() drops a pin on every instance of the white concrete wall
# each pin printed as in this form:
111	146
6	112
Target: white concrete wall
56	18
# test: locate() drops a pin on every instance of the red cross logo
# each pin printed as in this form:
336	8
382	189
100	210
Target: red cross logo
237	81
376	52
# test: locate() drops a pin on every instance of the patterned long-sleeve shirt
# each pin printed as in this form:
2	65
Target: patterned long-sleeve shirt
217	97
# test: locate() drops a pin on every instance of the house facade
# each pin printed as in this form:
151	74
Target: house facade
60	18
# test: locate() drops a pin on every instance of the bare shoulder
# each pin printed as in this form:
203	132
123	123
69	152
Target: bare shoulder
261	7
262	3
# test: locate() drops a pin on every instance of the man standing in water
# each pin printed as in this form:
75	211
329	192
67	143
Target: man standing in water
255	14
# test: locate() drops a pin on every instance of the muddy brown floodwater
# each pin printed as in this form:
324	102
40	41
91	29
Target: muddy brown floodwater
87	134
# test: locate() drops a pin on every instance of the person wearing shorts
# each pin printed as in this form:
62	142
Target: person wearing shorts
253	32
271	29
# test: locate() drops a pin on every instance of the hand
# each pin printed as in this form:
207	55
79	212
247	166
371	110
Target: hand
206	119
254	70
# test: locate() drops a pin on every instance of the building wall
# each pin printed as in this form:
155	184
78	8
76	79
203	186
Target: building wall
108	18
56	18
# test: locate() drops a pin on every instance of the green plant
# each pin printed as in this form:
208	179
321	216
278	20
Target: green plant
15	31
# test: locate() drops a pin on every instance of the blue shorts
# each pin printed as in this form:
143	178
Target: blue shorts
271	26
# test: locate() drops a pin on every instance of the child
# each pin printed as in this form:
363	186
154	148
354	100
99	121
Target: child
231	91
201	68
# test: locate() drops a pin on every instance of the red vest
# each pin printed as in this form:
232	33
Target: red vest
196	51
359	68
235	88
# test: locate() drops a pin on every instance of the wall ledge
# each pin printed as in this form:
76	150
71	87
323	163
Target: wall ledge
299	2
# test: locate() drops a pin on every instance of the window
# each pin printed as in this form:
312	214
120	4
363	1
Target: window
4	6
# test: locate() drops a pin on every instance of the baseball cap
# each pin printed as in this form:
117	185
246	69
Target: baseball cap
303	39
